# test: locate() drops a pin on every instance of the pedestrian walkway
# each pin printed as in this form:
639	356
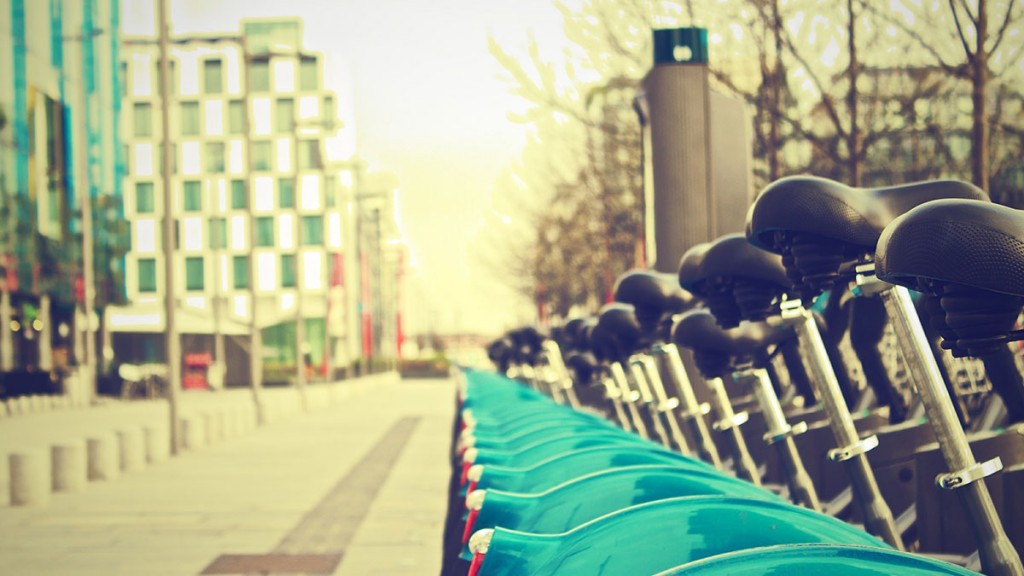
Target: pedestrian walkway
355	488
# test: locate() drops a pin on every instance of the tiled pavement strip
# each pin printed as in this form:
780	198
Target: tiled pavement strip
262	493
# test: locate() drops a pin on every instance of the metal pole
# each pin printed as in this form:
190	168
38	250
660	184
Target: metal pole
172	342
255	336
729	423
300	322
966	476
693	411
851	450
647	398
780	434
664	406
630	397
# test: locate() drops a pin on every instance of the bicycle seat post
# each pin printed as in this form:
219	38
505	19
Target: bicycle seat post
553	354
636	370
851	450
663	404
693	411
997	553
780	434
630	396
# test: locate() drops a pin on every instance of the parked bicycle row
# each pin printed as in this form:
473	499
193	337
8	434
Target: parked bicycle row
708	423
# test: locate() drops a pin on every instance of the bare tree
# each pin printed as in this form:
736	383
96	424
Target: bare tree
980	38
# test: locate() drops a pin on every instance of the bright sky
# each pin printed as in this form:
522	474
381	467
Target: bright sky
429	106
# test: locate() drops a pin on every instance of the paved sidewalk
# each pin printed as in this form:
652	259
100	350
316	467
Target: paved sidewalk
287	495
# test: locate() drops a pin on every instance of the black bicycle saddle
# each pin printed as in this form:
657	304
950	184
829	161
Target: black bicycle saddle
819	224
968	253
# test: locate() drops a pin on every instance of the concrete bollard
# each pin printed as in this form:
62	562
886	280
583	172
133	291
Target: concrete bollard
158	444
193	435
3	410
29	478
103	458
68	466
25	404
131	450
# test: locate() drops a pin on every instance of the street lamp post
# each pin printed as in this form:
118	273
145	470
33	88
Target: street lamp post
172	343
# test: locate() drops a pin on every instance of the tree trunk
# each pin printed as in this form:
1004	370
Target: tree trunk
853	141
979	82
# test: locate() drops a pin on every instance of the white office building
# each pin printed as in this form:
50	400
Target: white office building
258	203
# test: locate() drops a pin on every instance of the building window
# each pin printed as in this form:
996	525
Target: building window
170	72
123	79
286	193
308	74
309	155
287	271
215	157
331	191
213	76
240	269
259	76
144	197
194	273
261	156
236	118
147	275
142	119
190	118
218	233
239	198
265	231
192	192
312	230
285	121
329	113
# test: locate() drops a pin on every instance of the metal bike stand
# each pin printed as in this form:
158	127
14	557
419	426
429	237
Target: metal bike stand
630	397
729	423
998	556
693	412
665	404
780	434
636	370
614	397
548	380
852	450
553	353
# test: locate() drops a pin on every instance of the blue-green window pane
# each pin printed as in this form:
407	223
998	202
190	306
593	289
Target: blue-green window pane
218	233
286	193
147	275
239	198
193	196
144	197
265	231
194	273
287	271
190	118
312	230
240	267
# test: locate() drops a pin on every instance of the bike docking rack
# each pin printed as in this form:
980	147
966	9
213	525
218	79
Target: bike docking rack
599	449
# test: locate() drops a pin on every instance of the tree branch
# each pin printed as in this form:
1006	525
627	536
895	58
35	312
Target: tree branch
960	33
1007	19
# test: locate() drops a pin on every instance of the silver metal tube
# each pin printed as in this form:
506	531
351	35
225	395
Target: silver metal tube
647	397
614	397
553	353
878	518
692	411
666	405
997	554
780	435
729	423
630	397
